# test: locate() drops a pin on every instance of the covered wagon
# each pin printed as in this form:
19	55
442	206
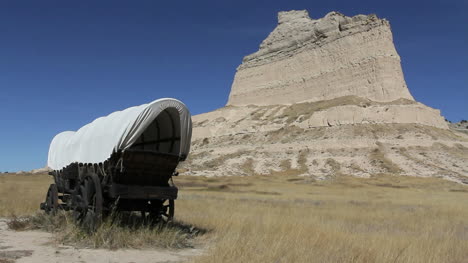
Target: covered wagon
123	161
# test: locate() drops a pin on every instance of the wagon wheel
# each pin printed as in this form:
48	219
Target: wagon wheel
168	210
143	215
164	211
51	205
89	203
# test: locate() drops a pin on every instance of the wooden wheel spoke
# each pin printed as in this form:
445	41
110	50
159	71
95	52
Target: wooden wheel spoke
79	198
88	203
51	204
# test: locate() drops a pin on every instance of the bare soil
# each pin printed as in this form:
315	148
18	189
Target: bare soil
38	246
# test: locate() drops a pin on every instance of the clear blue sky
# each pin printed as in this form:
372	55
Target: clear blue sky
65	63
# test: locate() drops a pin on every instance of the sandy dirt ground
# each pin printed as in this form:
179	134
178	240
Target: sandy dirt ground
37	246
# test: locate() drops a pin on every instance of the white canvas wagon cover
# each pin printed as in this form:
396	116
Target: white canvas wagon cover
161	122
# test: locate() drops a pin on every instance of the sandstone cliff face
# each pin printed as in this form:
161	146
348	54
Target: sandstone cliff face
313	60
323	98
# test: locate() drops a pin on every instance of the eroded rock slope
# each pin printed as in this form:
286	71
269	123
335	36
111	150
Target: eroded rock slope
324	98
313	60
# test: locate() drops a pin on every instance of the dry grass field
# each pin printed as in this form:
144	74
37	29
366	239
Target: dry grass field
297	219
21	194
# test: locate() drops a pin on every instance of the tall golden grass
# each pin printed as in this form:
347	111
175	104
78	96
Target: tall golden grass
125	230
298	219
294	219
21	194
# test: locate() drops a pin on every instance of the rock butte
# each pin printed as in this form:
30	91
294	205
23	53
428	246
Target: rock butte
307	60
322	98
312	60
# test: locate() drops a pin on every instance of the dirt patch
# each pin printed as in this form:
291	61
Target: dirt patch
12	255
122	230
40	246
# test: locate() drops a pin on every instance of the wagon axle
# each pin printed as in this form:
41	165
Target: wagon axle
122	162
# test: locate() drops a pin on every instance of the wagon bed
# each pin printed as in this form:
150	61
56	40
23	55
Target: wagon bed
124	161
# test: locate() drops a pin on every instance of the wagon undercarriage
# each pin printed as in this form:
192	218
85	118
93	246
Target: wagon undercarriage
122	162
130	181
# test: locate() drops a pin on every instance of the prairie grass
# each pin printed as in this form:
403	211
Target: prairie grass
298	219
119	231
378	158
21	194
380	219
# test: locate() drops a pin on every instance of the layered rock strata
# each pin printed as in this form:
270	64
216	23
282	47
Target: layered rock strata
313	60
349	110
323	98
283	140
